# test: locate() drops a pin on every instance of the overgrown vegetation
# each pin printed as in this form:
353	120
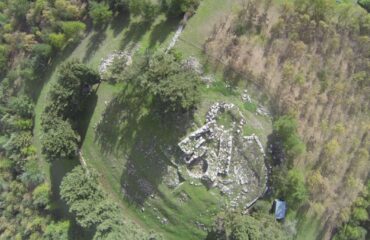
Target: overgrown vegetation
311	57
357	222
257	225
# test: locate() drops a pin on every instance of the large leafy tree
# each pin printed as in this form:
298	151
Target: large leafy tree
81	193
173	87
290	185
74	82
145	8
57	231
60	141
73	30
92	209
100	13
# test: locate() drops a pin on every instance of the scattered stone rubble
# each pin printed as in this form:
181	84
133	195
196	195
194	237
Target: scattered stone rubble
225	159
263	111
246	97
108	61
193	64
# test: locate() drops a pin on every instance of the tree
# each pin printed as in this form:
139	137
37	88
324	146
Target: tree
73	30
67	10
57	231
41	54
4	52
290	185
19	8
110	223
92	209
22	106
350	232
286	128
57	40
41	196
174	88
81	192
60	141
74	82
100	13
365	4
177	7
145	8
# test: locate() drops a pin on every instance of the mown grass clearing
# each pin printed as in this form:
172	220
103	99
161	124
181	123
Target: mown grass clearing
140	141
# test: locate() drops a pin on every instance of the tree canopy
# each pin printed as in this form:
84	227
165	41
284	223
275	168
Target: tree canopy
174	88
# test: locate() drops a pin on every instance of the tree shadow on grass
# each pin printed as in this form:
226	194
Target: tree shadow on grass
135	32
120	22
162	30
133	128
58	169
34	88
84	117
94	42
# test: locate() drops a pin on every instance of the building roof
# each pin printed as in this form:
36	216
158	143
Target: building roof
280	209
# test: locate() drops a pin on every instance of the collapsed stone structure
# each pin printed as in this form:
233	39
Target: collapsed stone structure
220	156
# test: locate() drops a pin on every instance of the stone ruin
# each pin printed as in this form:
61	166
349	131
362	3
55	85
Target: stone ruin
222	157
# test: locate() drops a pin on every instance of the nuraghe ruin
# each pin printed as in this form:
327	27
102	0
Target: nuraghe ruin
222	157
